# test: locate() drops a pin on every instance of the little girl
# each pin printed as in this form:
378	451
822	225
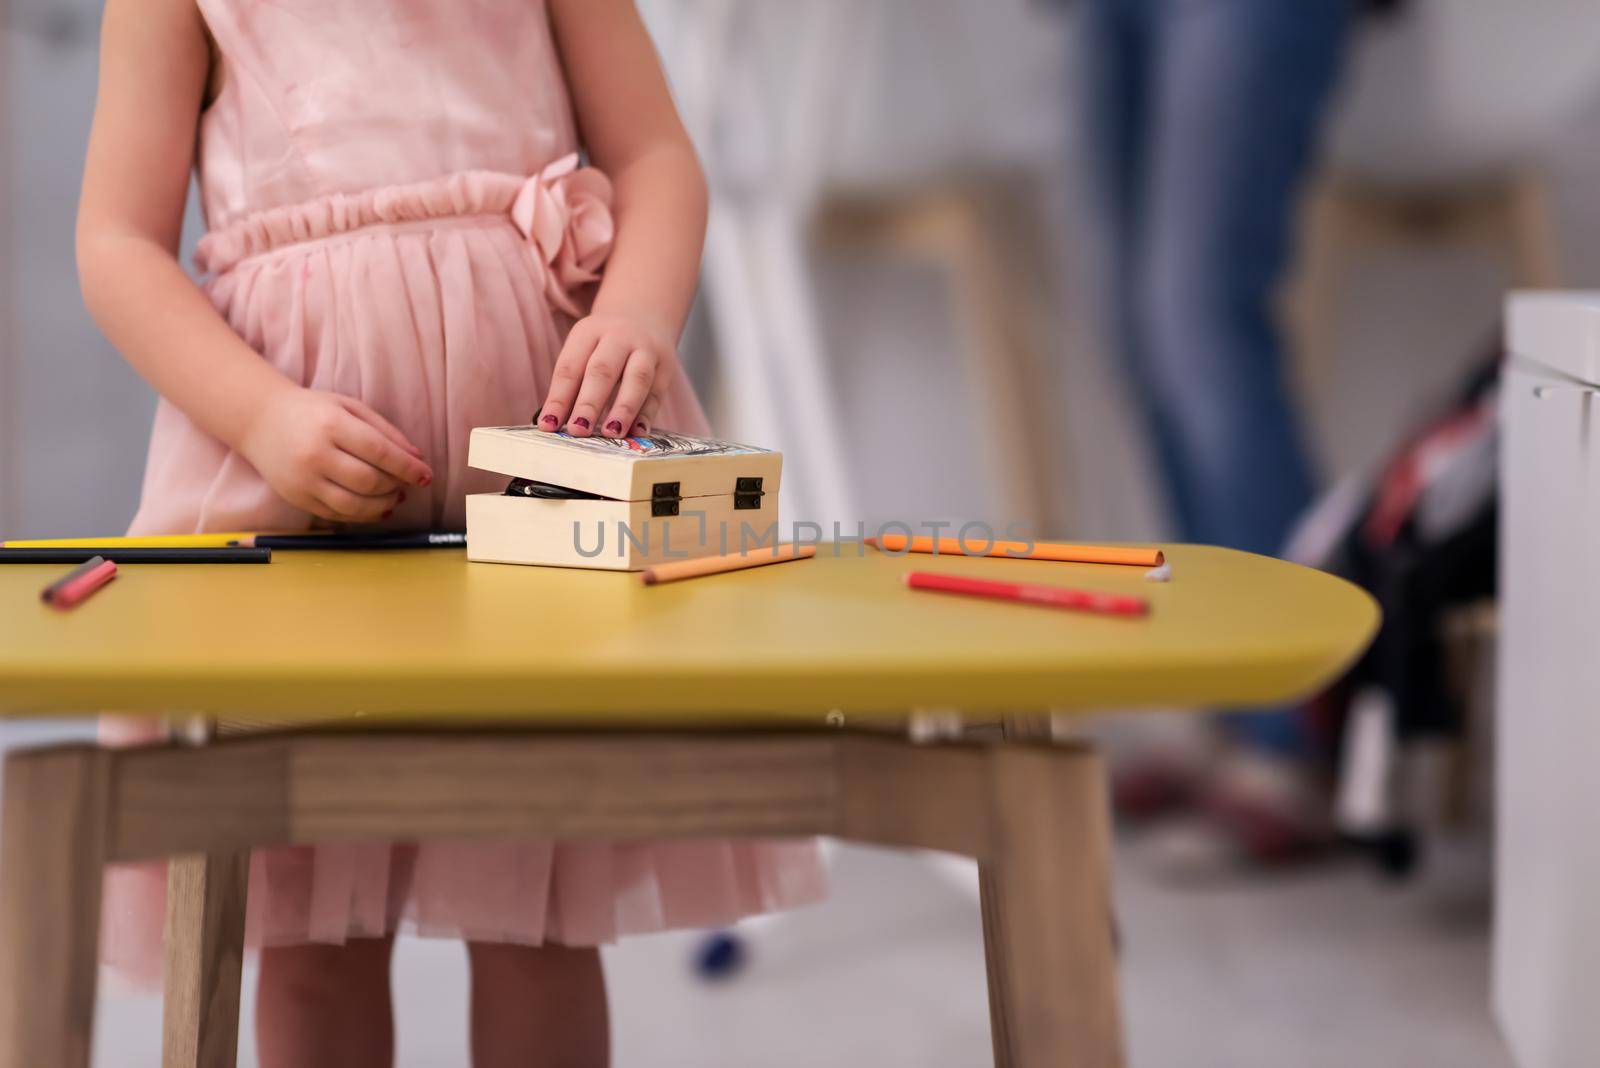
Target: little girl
402	245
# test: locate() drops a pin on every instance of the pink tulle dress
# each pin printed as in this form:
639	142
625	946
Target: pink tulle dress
396	212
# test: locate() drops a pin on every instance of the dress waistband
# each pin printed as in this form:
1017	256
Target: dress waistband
564	212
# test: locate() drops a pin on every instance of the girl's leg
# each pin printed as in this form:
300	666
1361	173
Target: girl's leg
541	1007
322	1005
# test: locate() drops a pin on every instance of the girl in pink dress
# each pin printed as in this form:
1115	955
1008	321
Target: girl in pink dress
403	244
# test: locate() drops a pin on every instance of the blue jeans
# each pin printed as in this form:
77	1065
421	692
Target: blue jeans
1203	116
1202	121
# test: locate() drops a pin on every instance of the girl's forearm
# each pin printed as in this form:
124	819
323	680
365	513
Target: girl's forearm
660	211
161	322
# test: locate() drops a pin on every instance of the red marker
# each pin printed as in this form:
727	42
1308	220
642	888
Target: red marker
73	588
1054	596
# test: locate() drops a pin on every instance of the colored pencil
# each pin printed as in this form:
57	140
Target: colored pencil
434	539
137	556
49	592
75	587
1059	551
138	541
1111	604
424	539
716	565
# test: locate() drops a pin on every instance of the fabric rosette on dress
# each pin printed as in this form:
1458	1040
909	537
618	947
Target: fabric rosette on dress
565	213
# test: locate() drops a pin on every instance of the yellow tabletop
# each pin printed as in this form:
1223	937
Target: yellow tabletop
424	633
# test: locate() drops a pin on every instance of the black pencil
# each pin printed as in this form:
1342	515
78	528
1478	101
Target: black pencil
136	556
425	539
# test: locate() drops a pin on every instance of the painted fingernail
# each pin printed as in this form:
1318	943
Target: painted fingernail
387	514
425	480
402	498
549	421
640	427
581	423
614	427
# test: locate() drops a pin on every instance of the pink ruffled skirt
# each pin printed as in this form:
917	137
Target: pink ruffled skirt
430	304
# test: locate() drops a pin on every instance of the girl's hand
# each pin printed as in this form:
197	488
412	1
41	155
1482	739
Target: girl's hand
611	376
332	456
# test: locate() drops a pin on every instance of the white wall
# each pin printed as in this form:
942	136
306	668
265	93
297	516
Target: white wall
79	413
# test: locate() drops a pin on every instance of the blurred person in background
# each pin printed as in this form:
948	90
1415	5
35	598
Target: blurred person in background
1202	122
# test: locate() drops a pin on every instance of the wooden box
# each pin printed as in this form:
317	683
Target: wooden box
618	504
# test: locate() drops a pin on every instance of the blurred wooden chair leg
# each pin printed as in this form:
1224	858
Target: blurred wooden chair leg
1313	303
53	847
1048	936
1533	232
1471	635
206	896
1345	217
1002	362
949	227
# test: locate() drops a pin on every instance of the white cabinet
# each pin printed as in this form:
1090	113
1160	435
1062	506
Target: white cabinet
1547	892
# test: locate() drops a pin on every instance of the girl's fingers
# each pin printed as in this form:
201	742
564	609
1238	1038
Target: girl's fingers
566	378
350	507
645	421
600	377
392	432
309	504
358	476
364	442
638	379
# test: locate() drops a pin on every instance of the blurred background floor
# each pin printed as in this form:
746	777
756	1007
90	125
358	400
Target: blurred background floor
1315	970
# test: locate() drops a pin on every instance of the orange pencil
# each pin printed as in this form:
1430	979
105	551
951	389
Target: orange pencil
716	565
1021	550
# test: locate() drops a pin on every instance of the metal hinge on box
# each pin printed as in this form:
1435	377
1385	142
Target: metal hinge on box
666	498
747	494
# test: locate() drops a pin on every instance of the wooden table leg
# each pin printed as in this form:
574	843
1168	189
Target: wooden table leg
53	847
1047	911
205	951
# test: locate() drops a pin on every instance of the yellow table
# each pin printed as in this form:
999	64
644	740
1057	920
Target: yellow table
544	702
